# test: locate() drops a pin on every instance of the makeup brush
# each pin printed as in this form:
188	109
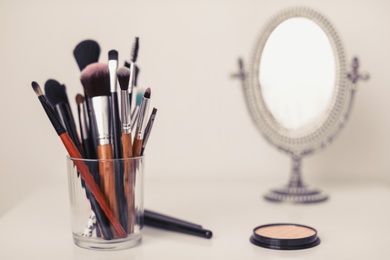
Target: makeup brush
143	111
123	75
81	166
112	67
116	133
86	145
157	220
86	52
56	95
148	129
96	82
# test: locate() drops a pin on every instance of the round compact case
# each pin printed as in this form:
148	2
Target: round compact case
284	236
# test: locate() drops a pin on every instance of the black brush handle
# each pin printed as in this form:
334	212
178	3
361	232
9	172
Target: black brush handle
116	126
154	216
117	146
184	228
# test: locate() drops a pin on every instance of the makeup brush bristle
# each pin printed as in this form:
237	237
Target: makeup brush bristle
139	98
134	50
136	74
86	52
55	92
113	55
123	75
95	79
148	93
37	89
79	99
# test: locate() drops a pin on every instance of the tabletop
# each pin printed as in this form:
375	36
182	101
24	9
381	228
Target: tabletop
352	224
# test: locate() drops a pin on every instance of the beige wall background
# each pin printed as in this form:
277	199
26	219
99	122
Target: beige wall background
188	51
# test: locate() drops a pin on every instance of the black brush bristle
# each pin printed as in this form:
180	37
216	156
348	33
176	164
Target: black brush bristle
37	89
148	93
134	50
55	92
136	74
86	52
95	79
79	99
123	75
127	64
113	55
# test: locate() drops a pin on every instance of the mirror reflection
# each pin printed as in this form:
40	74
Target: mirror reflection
297	73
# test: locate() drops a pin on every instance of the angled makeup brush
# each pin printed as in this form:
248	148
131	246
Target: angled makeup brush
56	95
123	75
96	82
141	122
81	166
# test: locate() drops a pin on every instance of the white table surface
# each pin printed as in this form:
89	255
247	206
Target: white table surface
353	224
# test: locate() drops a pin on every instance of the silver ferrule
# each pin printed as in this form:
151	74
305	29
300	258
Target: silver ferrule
101	116
84	123
132	77
125	112
143	111
112	67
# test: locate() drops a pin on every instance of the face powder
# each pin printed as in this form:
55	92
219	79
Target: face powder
285	236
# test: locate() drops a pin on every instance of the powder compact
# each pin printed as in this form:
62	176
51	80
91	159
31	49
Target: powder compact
283	236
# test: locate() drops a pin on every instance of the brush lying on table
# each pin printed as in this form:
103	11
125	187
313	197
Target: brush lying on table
106	135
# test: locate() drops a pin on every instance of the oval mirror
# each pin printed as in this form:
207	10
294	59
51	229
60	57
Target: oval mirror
297	91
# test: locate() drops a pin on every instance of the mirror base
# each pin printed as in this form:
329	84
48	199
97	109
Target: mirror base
296	195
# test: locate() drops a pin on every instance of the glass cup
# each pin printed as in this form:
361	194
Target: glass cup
106	202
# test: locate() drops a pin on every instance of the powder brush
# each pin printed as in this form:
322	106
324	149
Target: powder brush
96	82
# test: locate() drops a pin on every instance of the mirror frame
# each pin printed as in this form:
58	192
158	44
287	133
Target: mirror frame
303	141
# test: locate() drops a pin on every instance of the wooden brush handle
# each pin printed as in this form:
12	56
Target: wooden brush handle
137	146
107	176
128	174
90	182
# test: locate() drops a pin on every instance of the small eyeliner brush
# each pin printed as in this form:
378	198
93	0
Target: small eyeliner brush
143	111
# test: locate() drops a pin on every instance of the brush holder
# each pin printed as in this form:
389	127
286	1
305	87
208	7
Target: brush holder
108	215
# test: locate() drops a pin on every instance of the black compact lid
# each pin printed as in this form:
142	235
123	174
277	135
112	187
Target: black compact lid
285	236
